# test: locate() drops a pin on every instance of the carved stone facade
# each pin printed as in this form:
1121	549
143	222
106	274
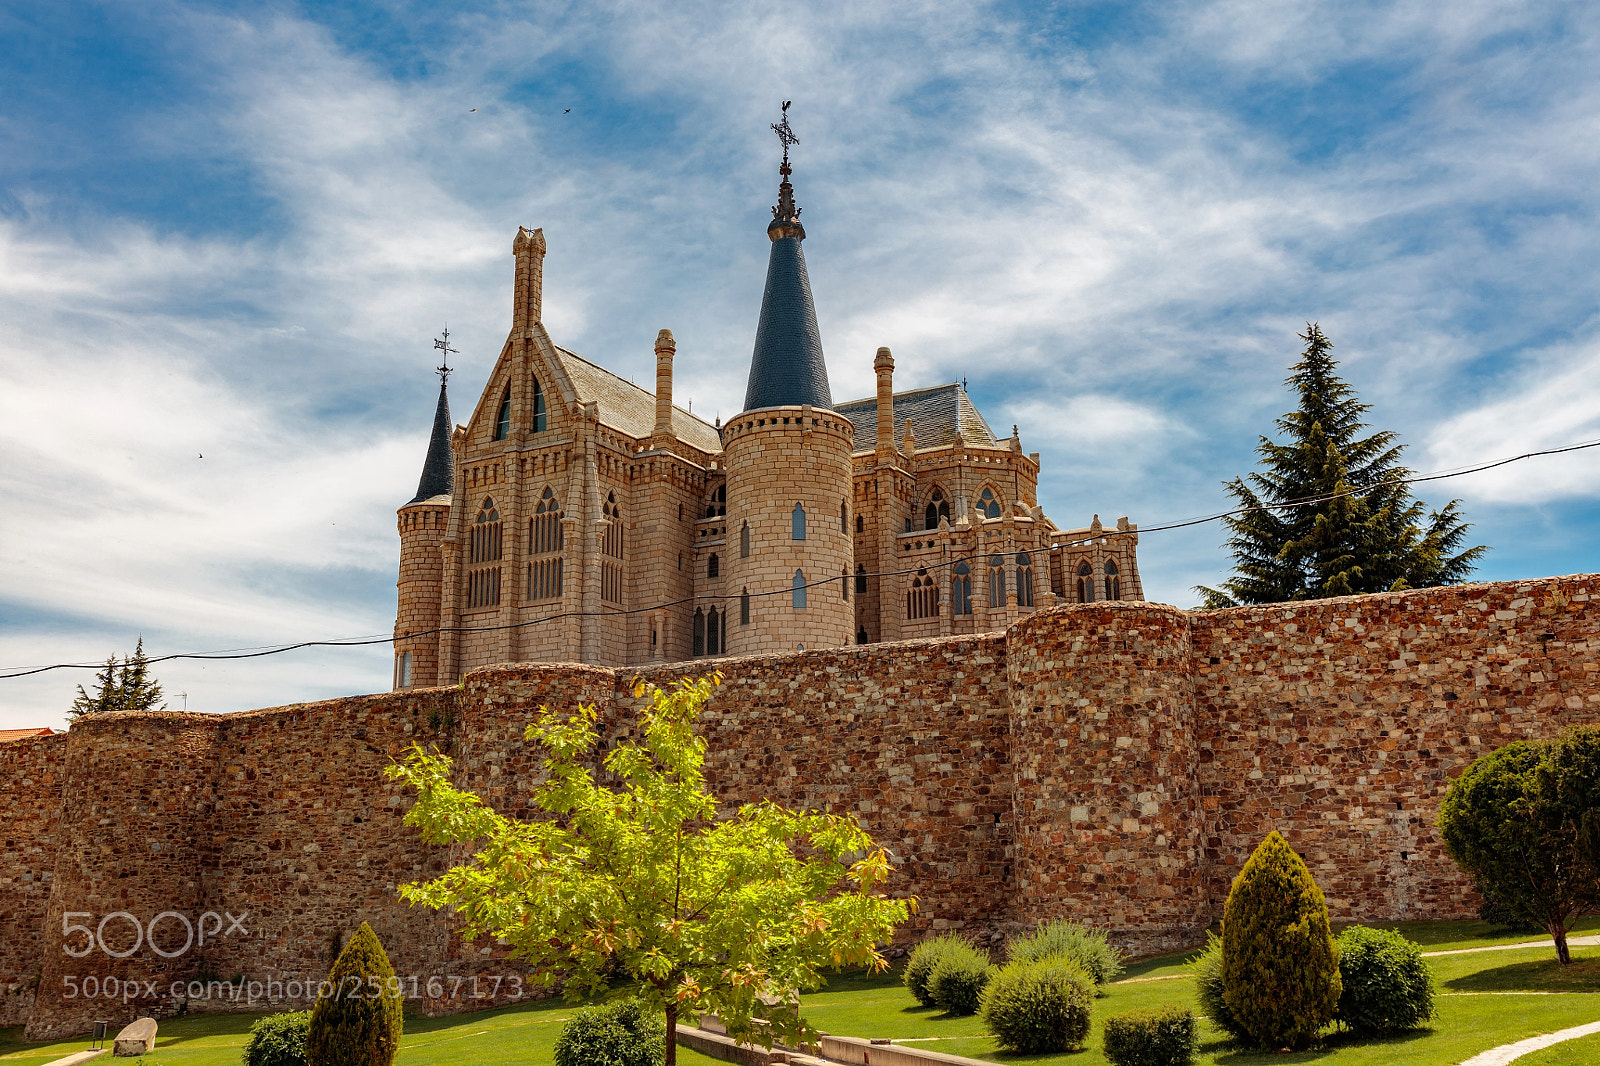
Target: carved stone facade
579	517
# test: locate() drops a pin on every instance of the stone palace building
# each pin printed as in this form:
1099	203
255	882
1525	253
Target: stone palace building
576	517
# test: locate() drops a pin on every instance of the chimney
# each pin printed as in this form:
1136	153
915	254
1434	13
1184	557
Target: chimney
884	366
527	301
666	348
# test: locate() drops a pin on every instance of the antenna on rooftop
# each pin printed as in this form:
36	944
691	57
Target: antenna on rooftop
442	344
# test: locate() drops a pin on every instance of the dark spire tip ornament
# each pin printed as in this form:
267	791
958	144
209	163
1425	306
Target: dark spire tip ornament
786	213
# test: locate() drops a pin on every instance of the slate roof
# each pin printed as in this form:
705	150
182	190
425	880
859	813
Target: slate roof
787	365
439	468
627	407
940	416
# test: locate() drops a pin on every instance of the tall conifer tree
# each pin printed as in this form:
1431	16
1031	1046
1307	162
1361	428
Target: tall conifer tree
1378	538
129	687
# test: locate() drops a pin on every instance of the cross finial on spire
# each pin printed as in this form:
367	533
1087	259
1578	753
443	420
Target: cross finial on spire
786	213
785	135
443	344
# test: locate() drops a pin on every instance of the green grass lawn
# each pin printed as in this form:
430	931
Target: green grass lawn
1485	1000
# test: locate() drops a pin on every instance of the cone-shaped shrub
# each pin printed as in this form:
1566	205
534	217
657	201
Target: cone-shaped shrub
1280	966
1387	983
357	1019
1087	947
926	956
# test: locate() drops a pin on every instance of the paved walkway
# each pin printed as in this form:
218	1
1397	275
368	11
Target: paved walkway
77	1057
1499	1056
1572	942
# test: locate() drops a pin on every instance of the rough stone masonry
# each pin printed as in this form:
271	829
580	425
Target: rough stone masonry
1110	762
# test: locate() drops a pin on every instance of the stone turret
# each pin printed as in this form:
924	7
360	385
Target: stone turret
422	524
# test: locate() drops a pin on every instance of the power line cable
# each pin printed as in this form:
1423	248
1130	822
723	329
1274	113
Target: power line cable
358	642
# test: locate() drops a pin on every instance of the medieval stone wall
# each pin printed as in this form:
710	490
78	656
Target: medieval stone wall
1113	762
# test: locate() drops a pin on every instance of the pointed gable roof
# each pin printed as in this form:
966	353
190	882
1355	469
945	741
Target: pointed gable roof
629	408
941	415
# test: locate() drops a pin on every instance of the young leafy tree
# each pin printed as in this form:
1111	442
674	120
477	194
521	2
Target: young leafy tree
699	913
130	688
1515	821
1367	533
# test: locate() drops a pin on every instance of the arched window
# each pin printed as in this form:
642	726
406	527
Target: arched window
611	546
1085	583
713	633
403	671
744	541
997	581
797	523
744	607
922	599
938	507
699	632
717	506
502	421
541	421
798	587
861	524
861	578
1024	579
1113	582
861	636
713	566
961	589
545	538
844	517
483	582
988	504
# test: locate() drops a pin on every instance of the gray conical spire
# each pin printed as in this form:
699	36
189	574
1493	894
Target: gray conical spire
439	469
787	366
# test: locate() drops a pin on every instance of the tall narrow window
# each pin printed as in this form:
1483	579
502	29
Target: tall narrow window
798	590
797	523
1085	583
861	525
502	421
541	421
713	633
744	541
844	517
844	584
483	581
1113	582
744	607
988	504
861	578
611	547
717	506
997	581
404	671
861	636
961	589
938	507
699	632
922	599
713	566
1024	579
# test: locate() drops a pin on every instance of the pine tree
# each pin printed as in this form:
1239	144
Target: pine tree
127	686
1280	965
357	1020
1367	533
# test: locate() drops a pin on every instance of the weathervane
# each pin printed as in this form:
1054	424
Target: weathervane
786	211
443	344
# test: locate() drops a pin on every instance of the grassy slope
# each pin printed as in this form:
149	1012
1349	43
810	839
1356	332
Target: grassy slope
1487	999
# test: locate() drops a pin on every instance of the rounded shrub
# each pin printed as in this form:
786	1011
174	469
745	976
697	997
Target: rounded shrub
623	1033
927	955
1207	970
357	1019
1087	947
1159	1036
278	1040
1280	966
1036	1007
958	979
1387	984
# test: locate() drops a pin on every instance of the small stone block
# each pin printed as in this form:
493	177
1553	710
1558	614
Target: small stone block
139	1038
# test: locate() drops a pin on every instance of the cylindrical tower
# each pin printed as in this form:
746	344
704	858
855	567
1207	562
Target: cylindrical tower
422	524
789	545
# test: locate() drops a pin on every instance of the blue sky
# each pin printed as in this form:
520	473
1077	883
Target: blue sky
234	231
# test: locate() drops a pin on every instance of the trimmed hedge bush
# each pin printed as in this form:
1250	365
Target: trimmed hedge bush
278	1040
957	981
1207	970
1084	946
1043	1006
1160	1036
927	955
359	1023
1387	984
614	1034
1280	966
